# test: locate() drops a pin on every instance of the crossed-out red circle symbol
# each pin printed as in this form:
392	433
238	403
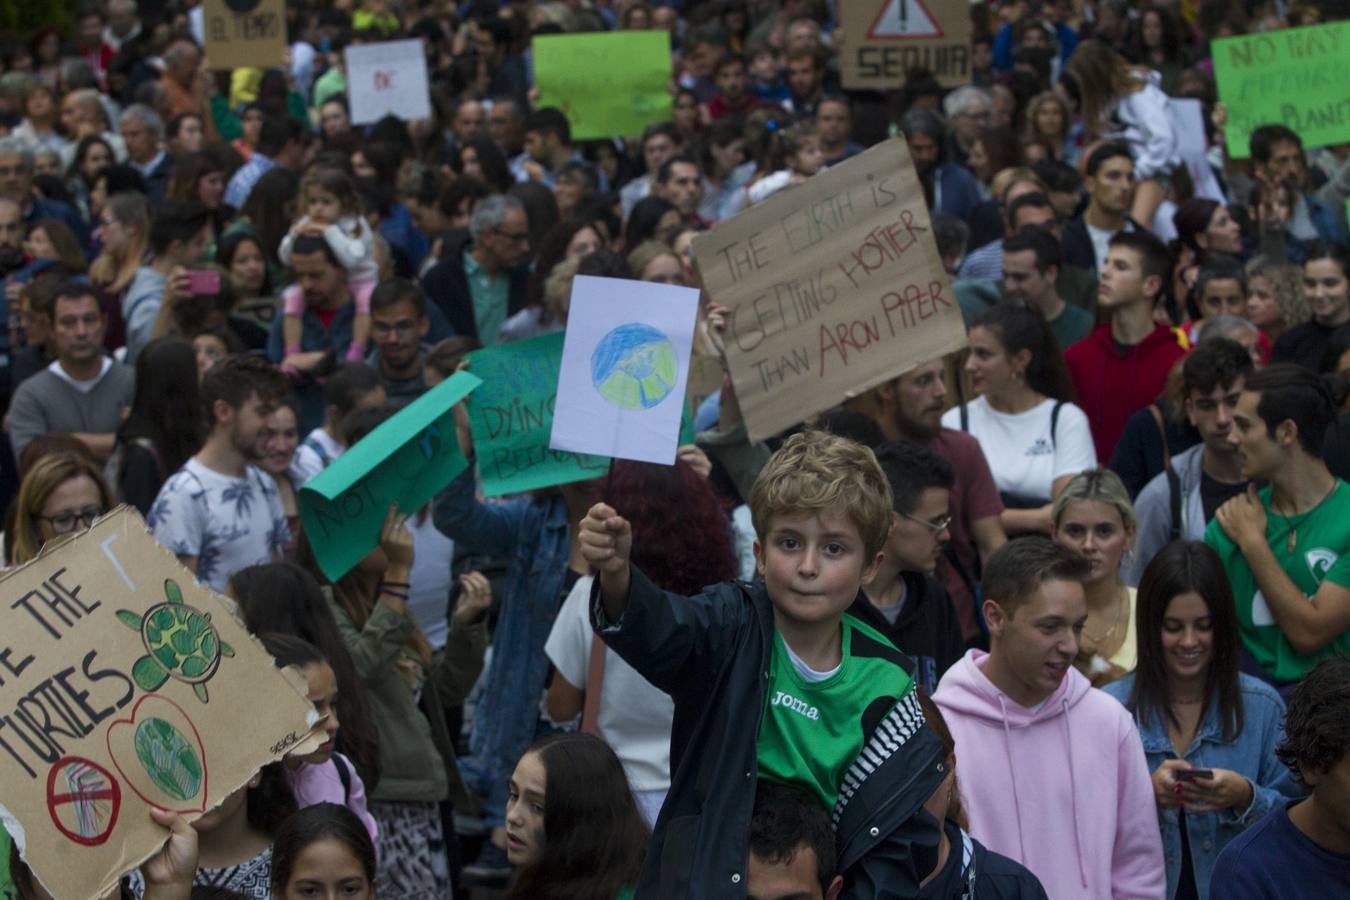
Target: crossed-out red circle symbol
83	799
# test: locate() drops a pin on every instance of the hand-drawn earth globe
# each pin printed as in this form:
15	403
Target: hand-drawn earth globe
634	366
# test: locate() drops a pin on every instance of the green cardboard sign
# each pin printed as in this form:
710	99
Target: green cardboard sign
406	460
511	416
1297	77
608	84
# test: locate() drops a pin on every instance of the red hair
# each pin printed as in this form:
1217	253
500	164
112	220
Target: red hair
681	538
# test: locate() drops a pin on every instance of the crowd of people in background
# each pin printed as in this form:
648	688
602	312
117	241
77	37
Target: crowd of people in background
1065	614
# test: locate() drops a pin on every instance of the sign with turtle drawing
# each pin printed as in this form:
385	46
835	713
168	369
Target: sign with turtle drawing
126	685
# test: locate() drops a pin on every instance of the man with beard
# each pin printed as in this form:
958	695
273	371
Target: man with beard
909	408
220	513
398	325
947	186
83	393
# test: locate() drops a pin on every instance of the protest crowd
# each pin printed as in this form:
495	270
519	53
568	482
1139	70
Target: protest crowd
1060	613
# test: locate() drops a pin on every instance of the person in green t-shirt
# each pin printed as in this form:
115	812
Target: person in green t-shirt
1286	548
774	681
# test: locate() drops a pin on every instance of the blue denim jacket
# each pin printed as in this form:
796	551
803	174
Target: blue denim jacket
535	536
1251	753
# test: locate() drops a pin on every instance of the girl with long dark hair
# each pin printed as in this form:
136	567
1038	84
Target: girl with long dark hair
164	427
1209	731
1031	432
323	846
573	830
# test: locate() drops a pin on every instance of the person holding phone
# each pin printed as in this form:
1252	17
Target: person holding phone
1209	732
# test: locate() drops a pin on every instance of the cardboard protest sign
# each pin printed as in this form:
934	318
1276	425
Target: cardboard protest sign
511	415
608	84
884	39
625	366
244	33
124	684
406	460
388	78
1297	77
834	286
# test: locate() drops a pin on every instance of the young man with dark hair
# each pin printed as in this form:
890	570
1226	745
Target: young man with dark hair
1122	366
660	142
82	393
792	853
281	142
1286	547
1220	289
679	181
1052	771
352	388
904	601
1180	503
1109	180
398	326
1031	265
220	513
733	95
1301	849
806	80
548	144
834	128
179	235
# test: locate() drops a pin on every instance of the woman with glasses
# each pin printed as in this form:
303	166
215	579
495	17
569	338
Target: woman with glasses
1093	517
62	493
1034	437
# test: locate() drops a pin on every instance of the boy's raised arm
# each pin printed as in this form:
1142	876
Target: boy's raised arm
606	542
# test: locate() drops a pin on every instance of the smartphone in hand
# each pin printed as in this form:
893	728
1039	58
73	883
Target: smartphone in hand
204	281
1193	774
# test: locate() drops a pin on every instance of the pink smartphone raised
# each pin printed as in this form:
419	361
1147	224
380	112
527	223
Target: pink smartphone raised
204	281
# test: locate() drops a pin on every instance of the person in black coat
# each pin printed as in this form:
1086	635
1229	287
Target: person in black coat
496	246
904	601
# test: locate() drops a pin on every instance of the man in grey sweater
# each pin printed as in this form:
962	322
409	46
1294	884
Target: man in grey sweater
83	393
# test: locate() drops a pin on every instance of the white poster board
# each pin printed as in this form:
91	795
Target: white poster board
625	367
1188	120
388	78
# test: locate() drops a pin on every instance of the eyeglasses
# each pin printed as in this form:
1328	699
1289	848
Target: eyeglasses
519	237
66	522
937	527
384	329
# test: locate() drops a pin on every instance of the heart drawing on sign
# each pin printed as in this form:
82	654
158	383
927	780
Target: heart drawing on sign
159	755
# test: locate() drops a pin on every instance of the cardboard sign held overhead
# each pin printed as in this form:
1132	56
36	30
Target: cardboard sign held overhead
124	684
244	33
388	78
884	39
834	286
1296	77
406	460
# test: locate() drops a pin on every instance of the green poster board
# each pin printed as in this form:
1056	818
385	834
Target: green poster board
608	84
1296	77
511	417
406	460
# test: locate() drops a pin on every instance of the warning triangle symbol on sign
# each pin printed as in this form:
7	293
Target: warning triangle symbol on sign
904	19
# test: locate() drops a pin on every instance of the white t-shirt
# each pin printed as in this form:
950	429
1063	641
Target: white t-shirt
634	716
1100	238
227	523
1022	455
315	453
430	578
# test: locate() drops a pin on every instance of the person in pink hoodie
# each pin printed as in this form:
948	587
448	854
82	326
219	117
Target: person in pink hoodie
1052	771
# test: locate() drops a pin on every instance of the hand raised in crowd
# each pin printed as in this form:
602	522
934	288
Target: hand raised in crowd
712	327
396	540
475	598
606	539
1243	519
168	874
1226	790
694	457
178	286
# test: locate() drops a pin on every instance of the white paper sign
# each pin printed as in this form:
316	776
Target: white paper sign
625	366
388	78
1188	120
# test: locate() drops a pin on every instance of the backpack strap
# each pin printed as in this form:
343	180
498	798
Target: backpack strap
1174	498
318	450
1054	423
965	417
1162	433
344	776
